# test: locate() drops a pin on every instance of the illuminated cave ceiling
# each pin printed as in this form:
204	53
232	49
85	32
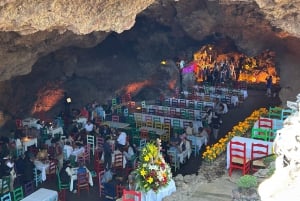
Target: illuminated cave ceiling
31	29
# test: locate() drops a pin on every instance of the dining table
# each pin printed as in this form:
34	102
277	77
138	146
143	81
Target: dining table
157	131
28	141
249	142
42	194
43	166
160	194
55	131
277	123
199	141
74	177
114	124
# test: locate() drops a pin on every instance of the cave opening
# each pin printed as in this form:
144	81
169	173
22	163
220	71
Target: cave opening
123	63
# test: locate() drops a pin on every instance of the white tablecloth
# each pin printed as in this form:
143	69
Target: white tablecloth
81	120
31	122
199	141
277	123
114	124
77	151
42	167
27	142
42	195
158	196
74	177
54	131
248	142
156	130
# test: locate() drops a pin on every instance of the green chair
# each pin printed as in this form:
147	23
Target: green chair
5	185
174	160
18	194
259	133
61	185
275	112
285	113
6	197
152	135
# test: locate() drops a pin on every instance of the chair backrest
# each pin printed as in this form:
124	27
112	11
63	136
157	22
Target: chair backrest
118	162
5	184
259	150
100	176
115	118
18	194
29	188
260	133
82	179
265	123
52	167
285	113
129	195
237	150
90	140
6	197
143	143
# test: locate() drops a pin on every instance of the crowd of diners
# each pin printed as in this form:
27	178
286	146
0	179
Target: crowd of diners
19	166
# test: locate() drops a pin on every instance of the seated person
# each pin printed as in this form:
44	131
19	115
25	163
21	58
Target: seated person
189	129
129	153
65	173
184	149
121	140
68	148
89	127
175	140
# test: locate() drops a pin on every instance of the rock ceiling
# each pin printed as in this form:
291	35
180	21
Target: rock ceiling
31	29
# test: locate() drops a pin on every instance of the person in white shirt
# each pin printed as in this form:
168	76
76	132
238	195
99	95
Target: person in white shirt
89	127
129	152
68	149
121	140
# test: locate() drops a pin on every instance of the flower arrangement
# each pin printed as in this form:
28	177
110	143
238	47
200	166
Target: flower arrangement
212	152
153	172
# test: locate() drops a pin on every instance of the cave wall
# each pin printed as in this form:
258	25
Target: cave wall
31	30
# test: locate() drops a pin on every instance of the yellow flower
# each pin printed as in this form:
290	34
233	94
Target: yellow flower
146	158
150	180
143	172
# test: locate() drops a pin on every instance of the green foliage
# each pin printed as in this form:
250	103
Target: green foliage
247	181
269	159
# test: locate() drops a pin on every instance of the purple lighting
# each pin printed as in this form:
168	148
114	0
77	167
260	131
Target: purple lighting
188	69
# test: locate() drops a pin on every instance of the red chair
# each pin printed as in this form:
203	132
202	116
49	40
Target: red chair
144	134
52	169
119	190
131	195
99	143
19	123
238	158
29	187
265	123
258	153
62	195
118	162
83	182
115	118
101	187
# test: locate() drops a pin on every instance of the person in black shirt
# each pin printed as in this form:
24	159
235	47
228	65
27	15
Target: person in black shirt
107	154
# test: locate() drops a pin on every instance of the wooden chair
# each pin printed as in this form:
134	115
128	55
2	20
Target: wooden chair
258	153
37	177
174	160
52	169
6	197
118	162
265	123
101	187
99	143
83	182
18	194
238	158
131	195
144	134
61	185
275	112
285	113
85	156
260	133
115	118
62	195
90	139
29	188
5	185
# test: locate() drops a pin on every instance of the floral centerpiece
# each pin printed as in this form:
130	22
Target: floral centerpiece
213	151
153	172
